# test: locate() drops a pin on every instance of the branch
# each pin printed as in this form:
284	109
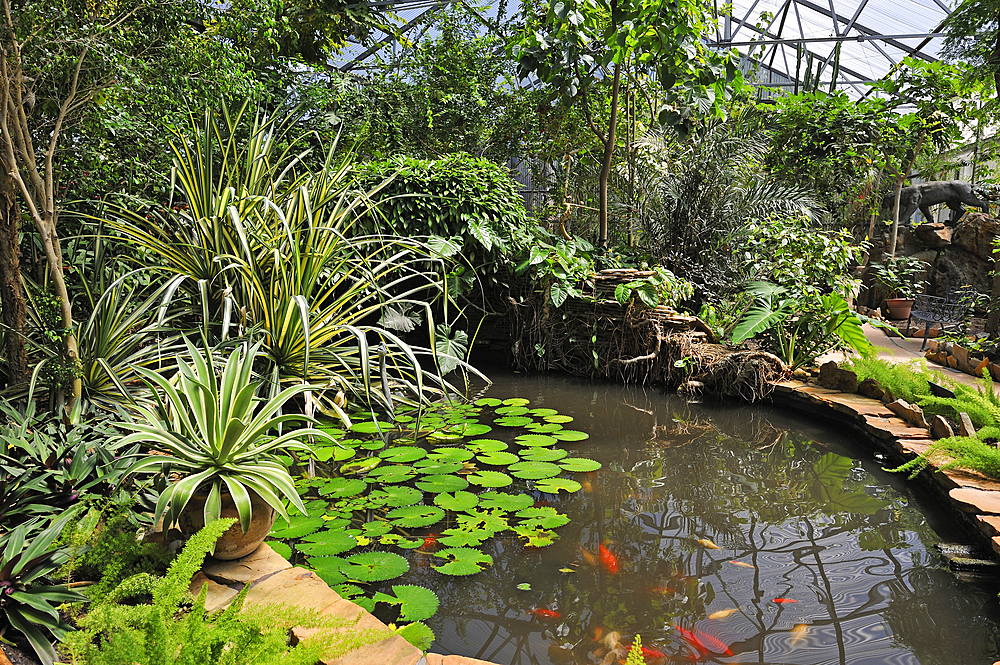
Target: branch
586	109
64	109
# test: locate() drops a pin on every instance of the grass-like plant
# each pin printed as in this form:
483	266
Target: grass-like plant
219	434
902	379
980	402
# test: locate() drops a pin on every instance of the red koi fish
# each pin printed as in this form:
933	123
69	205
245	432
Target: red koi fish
544	613
713	643
607	559
691	639
783	600
430	541
651	654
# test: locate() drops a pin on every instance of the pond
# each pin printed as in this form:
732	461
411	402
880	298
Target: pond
718	534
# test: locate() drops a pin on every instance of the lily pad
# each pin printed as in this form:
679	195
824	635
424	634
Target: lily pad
580	465
488	521
374	566
462	561
335	453
328	568
532	440
543	454
544	428
490	479
341	488
534	470
516	401
545	517
403	454
396	496
445	437
486	445
450	454
504	501
498	458
555	485
401	541
570	435
457	501
544	412
391	474
476	429
333	542
418	634
433	467
488	401
411	517
512	411
300	526
536	537
561	419
416	603
371	427
463	537
375	528
360	466
513	421
372	445
281	549
442	483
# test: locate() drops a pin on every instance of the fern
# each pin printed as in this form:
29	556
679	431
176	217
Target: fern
957	452
122	628
903	380
980	402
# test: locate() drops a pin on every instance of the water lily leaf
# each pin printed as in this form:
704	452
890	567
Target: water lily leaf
360	466
545	517
438	484
504	501
555	485
336	453
371	427
580	465
404	418
512	411
328	568
513	421
487	401
524	586
349	590
490	479
341	488
544	428
570	435
376	528
372	445
543	454
486	521
486	445
543	412
462	561
364	602
374	566
450	454
317	506
416	603
532	440
283	550
476	429
534	470
558	419
401	541
396	496
444	436
300	526
516	401
535	537
326	543
332	522
457	501
418	634
498	458
391	474
464	537
403	454
415	516
433	467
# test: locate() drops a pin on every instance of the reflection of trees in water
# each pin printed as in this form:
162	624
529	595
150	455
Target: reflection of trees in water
813	524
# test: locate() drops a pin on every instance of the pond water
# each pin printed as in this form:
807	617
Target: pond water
785	531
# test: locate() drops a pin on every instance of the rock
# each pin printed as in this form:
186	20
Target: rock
995	371
975	232
932	345
887	395
833	377
961	354
982	367
800	374
952	362
933	234
940	429
911	413
956	267
258	564
965	426
871	388
218	596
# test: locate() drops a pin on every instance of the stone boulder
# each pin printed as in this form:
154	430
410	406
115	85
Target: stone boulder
940	429
933	235
833	377
871	388
955	267
975	233
911	413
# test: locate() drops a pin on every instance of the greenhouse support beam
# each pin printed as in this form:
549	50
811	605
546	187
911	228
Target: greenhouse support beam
810	40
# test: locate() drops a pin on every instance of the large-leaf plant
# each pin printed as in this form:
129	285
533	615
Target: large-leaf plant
27	600
219	435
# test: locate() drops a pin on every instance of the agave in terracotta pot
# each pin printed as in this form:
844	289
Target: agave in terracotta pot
221	439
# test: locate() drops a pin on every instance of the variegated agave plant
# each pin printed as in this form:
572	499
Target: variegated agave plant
219	435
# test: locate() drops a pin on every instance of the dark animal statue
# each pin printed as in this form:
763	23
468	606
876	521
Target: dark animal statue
922	196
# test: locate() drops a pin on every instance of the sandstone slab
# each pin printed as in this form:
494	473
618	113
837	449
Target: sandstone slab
293	586
960	478
911	413
965	426
833	377
261	562
989	524
973	500
940	429
218	595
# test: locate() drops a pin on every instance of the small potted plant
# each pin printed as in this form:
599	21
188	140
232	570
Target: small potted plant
215	443
902	277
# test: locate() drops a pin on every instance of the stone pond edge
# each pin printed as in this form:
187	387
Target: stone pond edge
971	498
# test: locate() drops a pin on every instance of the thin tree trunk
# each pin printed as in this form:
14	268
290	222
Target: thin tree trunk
993	318
609	151
12	302
897	192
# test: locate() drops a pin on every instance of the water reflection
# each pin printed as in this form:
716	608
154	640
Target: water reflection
801	553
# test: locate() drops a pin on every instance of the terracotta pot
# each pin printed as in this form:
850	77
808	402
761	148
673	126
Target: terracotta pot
899	308
233	544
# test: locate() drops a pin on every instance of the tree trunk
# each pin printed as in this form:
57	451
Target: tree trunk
897	192
12	304
993	318
609	151
53	259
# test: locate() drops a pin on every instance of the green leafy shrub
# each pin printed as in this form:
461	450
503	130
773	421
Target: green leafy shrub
126	627
455	196
904	380
980	402
962	452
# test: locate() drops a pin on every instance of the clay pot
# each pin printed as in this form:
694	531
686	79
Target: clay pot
233	544
899	308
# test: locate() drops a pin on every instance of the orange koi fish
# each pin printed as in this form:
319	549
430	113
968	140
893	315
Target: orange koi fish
588	558
598	634
651	654
722	614
690	638
707	544
783	600
743	565
713	643
429	541
607	559
544	613
799	633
